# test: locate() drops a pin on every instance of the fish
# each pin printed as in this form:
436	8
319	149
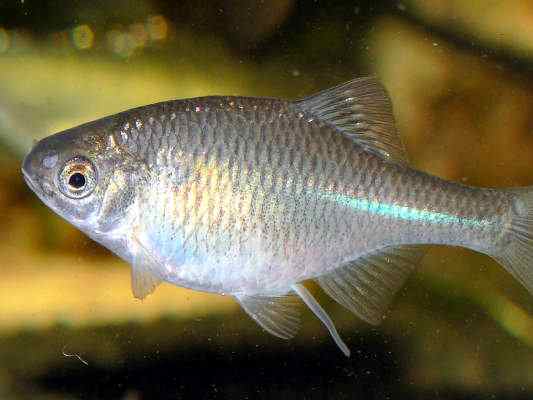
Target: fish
253	197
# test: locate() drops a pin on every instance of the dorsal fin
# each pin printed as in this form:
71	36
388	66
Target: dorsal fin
360	109
367	285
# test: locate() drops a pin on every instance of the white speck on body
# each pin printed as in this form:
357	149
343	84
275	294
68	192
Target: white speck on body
50	161
138	123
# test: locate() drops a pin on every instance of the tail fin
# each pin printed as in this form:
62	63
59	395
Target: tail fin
517	256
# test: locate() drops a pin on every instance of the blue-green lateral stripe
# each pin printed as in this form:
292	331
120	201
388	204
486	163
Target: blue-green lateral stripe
402	212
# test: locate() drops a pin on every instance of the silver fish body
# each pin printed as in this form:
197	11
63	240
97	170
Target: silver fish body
252	196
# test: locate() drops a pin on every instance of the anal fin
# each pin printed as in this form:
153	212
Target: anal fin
367	285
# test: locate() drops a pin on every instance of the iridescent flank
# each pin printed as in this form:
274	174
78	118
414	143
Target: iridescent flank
399	212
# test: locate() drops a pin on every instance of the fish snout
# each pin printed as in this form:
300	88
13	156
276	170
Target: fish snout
37	167
28	169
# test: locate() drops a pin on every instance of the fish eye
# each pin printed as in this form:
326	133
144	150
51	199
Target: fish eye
77	178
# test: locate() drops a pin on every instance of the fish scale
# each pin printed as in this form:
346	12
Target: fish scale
251	197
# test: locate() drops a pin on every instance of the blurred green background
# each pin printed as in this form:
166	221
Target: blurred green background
461	78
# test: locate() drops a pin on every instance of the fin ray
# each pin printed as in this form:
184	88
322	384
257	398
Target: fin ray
360	109
317	309
278	315
517	255
367	285
143	280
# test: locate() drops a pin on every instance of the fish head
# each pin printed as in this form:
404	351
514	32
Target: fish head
75	174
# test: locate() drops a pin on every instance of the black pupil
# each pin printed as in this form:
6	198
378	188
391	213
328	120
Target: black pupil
76	180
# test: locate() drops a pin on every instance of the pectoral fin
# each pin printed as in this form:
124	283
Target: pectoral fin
143	282
367	285
279	316
143	279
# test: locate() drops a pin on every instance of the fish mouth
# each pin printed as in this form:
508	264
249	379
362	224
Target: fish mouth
26	168
29	181
42	190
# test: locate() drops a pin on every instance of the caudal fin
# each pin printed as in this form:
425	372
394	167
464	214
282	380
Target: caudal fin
517	254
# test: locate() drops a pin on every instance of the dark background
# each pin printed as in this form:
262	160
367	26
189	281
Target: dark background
460	77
